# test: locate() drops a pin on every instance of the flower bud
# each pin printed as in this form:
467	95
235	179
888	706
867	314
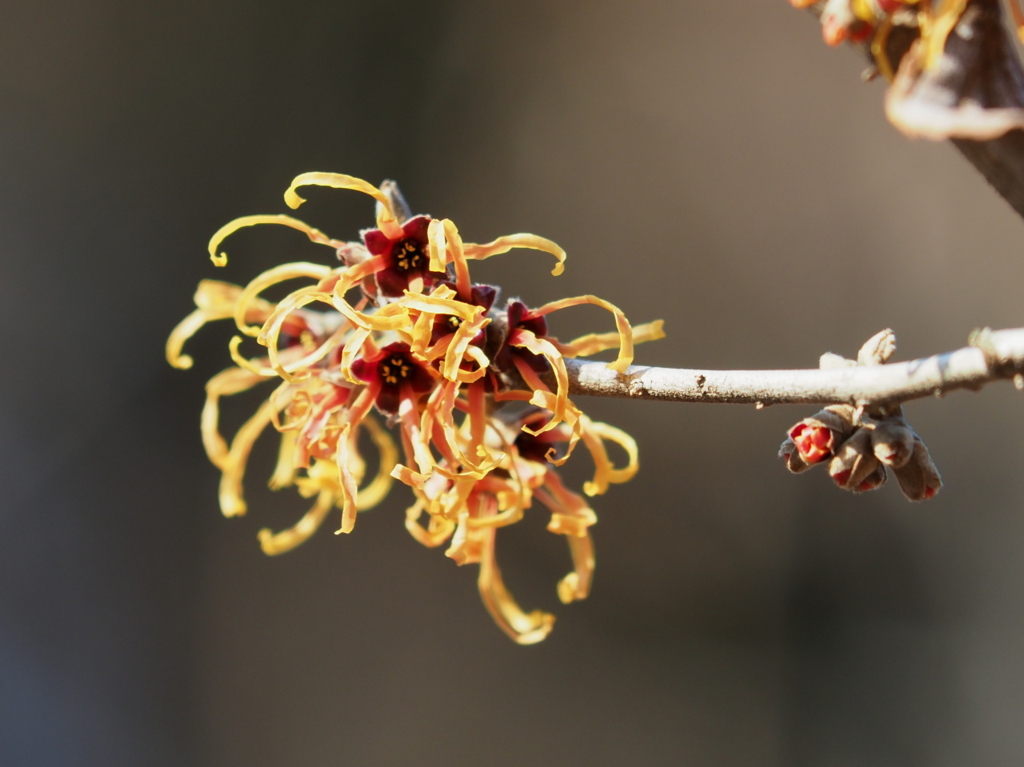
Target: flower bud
893	442
817	436
854	462
873	481
878	349
791	456
919	478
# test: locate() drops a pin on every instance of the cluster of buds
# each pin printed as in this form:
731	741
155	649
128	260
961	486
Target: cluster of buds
955	72
478	393
858	446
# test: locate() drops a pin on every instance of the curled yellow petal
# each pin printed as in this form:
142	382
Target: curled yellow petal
183	331
393	316
271	330
268	279
232	500
353	348
510	241
387	458
570	514
215	300
592	343
625	331
231	227
524	628
225	383
576	585
387	221
347	480
438	528
437	245
457	256
284	469
544	348
608	473
464	549
244	362
278	543
460	345
408	476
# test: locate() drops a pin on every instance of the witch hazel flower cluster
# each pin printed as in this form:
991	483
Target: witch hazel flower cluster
860	446
396	343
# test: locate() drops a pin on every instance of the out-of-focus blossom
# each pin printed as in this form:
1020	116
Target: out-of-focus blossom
954	68
397	335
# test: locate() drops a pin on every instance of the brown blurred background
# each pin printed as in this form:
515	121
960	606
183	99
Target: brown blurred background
712	164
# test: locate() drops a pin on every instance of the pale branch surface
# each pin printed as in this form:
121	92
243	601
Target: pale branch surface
996	355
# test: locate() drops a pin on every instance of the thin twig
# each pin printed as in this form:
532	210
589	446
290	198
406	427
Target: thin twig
997	355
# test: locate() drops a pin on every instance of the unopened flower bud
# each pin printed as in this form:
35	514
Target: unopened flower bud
817	436
854	462
893	442
791	456
918	478
873	481
878	349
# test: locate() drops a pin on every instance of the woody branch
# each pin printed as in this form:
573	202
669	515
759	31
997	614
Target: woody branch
992	356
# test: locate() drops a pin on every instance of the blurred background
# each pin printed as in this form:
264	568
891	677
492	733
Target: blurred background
711	164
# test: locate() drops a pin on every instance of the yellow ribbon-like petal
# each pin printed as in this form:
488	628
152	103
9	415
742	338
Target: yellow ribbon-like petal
231	227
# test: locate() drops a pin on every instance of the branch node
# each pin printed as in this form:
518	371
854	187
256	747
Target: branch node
635	388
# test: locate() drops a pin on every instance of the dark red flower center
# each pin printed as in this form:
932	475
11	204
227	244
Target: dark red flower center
395	369
409	255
